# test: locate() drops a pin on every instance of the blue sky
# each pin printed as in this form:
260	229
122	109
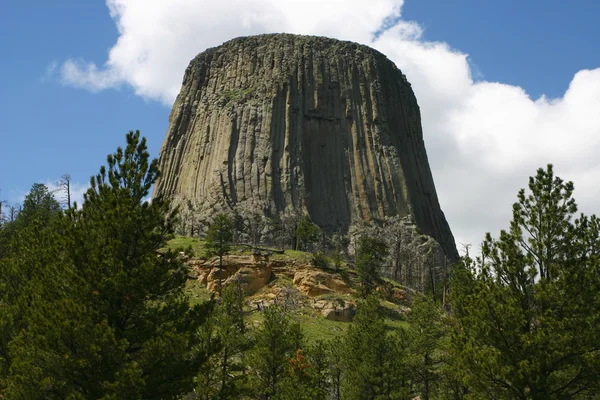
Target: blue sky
535	44
49	129
54	121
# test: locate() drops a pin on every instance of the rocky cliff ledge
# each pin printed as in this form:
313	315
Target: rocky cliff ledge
284	122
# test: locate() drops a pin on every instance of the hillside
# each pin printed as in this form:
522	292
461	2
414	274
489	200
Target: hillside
322	299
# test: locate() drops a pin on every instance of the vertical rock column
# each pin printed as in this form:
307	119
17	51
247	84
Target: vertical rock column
281	121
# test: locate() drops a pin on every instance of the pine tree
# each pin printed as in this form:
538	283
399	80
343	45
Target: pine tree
306	232
335	361
370	257
276	342
218	241
39	204
30	249
374	361
320	368
113	320
527	320
427	332
226	335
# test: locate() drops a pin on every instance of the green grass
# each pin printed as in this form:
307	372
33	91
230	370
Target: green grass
237	94
184	242
394	325
197	292
314	325
293	255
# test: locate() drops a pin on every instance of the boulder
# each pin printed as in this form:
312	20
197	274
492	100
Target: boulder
251	278
314	283
336	310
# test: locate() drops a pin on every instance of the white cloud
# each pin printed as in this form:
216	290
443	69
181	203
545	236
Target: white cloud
77	191
158	38
483	138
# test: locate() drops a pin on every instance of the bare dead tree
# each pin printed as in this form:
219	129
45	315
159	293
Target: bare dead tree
445	292
393	234
7	216
13	211
65	186
2	202
465	248
1	215
432	272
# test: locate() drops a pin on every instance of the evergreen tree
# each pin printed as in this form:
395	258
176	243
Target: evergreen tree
320	364
218	241
307	232
276	342
374	361
223	376
527	320
207	381
370	257
30	249
335	360
233	336
298	382
308	375
427	332
112	320
39	204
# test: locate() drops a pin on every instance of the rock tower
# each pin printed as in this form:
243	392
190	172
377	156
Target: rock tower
328	127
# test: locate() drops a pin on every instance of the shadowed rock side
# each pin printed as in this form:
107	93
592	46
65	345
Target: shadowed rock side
285	121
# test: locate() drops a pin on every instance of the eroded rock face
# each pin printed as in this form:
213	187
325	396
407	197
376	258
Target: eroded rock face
340	310
312	282
241	270
306	123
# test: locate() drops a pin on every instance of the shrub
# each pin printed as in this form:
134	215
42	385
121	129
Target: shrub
320	260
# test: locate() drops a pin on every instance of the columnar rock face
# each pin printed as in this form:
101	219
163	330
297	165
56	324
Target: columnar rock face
284	122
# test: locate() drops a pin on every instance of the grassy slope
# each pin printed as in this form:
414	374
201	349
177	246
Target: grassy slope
315	326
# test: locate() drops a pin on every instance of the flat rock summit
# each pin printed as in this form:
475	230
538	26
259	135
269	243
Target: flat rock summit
286	122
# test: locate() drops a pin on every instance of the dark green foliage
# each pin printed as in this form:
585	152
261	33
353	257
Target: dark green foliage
427	332
373	359
309	376
219	236
39	205
218	240
335	366
90	309
307	232
345	276
527	320
8	215
30	252
338	243
225	336
320	260
107	316
276	342
319	361
370	257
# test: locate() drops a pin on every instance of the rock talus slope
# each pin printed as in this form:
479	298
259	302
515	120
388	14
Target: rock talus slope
282	122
